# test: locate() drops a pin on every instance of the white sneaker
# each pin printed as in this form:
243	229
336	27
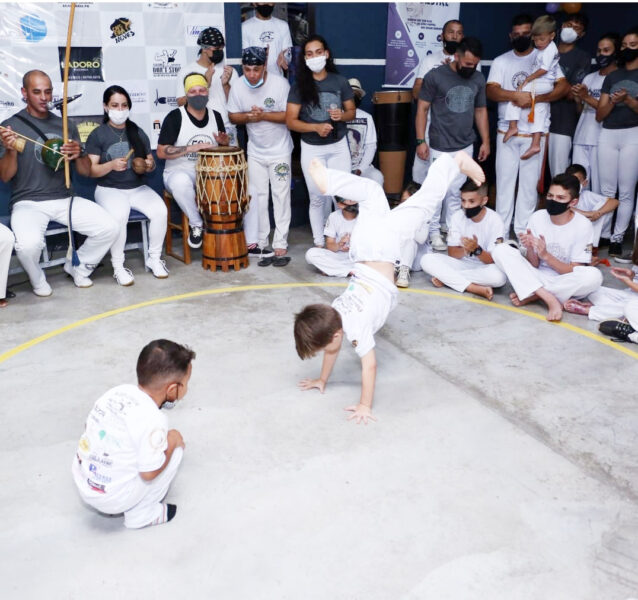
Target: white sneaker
123	276
438	243
158	267
81	281
43	290
403	278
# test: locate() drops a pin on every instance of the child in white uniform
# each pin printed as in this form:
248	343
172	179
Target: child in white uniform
127	457
474	232
334	260
546	72
375	246
558	244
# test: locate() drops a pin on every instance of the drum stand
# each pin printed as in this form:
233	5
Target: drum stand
224	243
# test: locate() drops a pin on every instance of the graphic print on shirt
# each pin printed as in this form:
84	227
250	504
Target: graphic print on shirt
199	138
357	130
267	37
282	171
625	84
319	113
459	99
118	150
518	78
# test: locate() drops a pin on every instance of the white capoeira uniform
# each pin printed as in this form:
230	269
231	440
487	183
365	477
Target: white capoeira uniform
546	59
378	236
335	264
125	435
6	247
569	243
612	303
589	201
457	273
362	140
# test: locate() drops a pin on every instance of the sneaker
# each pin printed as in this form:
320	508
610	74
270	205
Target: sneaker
267	252
254	250
615	249
81	281
43	290
625	259
403	278
618	330
603	242
195	237
158	267
438	243
123	276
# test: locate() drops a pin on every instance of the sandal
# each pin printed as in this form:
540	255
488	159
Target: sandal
280	261
264	262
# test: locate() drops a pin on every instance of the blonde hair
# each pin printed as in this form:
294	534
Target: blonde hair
544	24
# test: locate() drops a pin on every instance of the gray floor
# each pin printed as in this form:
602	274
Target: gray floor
503	464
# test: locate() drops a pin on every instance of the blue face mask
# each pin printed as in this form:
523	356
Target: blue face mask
258	84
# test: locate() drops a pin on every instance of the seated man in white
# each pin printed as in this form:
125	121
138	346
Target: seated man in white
474	232
334	259
558	245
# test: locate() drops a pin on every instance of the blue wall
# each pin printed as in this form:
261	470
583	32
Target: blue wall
358	30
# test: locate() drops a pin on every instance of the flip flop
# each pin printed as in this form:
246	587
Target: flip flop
10	294
280	261
264	262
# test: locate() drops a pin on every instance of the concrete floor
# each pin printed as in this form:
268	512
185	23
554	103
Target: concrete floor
503	464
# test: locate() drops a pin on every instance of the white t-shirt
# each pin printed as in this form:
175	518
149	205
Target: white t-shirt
588	129
547	59
125	434
337	225
272	33
569	243
508	71
362	139
216	95
487	231
590	201
266	140
365	306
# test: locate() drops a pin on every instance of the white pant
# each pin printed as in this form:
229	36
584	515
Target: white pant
118	203
541	112
526	279
560	147
334	156
140	501
458	274
452	200
587	156
335	264
618	169
372	173
275	171
181	184
509	166
412	252
6	247
29	221
379	232
610	303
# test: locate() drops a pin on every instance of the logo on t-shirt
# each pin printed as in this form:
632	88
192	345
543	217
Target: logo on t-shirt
121	29
459	99
267	36
625	84
200	138
518	78
269	102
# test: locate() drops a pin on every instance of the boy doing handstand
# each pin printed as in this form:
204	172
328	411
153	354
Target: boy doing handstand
375	246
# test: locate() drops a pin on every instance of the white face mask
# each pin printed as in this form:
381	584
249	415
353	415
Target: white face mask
568	35
117	117
316	64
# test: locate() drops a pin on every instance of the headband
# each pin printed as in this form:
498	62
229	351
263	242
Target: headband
194	79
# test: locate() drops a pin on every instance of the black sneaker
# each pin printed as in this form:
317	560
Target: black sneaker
617	329
267	252
195	237
603	242
254	251
625	259
615	249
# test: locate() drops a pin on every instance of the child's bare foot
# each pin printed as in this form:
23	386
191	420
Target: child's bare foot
468	166
554	307
577	307
531	151
437	282
516	301
319	175
480	290
512	130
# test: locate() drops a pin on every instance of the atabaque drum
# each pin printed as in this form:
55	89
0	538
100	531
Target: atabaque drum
392	118
222	196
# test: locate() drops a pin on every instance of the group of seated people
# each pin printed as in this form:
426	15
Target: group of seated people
550	259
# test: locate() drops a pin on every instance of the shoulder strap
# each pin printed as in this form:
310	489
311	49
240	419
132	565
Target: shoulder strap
33	126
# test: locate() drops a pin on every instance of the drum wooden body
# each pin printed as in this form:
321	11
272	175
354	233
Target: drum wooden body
222	197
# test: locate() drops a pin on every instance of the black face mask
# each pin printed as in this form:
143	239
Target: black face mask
603	60
627	55
450	47
556	208
465	72
217	56
521	43
352	208
265	10
470	213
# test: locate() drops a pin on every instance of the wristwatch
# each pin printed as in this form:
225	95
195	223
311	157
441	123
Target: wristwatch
419	142
477	251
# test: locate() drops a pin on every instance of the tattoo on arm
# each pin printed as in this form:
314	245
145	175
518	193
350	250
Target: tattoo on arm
175	150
